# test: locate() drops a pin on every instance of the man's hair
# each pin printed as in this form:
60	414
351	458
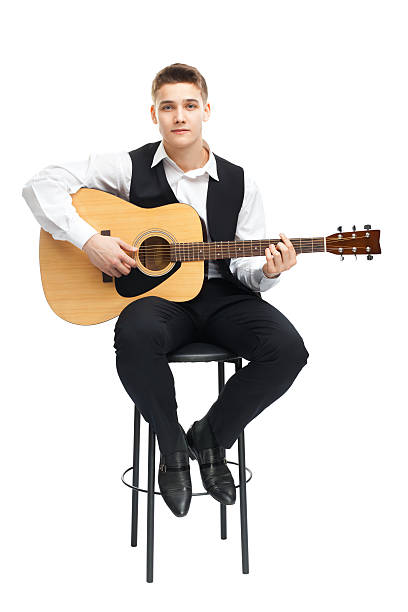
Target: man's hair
179	73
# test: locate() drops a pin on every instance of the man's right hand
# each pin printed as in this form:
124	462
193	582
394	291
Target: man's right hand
107	254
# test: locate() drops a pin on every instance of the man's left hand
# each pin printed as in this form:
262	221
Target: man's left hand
279	258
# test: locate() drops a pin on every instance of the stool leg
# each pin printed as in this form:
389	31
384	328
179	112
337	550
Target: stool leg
223	507
150	504
223	521
242	494
135	480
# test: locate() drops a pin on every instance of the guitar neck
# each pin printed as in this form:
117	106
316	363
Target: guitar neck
196	251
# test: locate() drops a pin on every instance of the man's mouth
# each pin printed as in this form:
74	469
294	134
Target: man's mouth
180	130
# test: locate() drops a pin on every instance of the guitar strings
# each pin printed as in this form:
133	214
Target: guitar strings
184	248
243	254
225	244
231	242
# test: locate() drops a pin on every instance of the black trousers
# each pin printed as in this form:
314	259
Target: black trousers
151	327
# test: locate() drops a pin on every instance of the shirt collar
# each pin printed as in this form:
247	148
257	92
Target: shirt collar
210	167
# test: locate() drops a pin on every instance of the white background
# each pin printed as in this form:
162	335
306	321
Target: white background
311	98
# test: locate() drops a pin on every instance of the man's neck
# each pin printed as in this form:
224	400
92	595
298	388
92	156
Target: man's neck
188	158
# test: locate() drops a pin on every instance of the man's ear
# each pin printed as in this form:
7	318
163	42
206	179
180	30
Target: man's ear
207	112
153	114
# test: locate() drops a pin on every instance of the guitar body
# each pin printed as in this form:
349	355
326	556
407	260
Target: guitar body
79	293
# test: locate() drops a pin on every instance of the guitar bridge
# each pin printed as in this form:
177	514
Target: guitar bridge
105	277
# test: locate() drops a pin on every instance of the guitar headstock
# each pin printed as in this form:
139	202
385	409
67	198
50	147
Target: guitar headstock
366	242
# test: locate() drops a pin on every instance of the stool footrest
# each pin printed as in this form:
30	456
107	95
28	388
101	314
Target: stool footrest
159	493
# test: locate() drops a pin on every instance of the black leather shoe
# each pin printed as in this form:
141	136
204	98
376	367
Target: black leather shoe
215	474
175	481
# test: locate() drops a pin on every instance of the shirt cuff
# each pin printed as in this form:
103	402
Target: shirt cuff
264	282
79	232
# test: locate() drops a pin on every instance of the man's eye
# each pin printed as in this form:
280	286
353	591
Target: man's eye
190	105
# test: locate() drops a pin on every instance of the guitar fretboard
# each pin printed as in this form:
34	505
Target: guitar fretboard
195	251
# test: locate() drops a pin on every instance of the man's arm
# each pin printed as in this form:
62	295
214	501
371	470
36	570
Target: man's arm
251	226
48	194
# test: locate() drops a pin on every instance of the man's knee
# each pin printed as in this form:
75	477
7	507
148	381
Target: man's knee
141	308
289	350
139	326
294	352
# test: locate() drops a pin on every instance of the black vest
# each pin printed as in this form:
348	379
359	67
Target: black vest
149	188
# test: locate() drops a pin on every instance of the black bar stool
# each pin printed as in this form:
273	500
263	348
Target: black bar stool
194	352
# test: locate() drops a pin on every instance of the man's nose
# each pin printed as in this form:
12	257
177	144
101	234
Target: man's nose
180	115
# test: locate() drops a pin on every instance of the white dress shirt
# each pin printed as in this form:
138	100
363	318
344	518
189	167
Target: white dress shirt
48	194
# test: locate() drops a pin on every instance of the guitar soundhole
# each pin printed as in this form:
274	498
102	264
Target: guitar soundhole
154	253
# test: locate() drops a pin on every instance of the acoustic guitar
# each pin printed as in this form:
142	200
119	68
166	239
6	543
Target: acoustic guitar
170	256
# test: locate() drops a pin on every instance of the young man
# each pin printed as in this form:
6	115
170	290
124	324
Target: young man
228	311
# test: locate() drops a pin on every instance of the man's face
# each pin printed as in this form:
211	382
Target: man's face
179	112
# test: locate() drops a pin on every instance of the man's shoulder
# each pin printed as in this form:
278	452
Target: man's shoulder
228	164
145	149
231	167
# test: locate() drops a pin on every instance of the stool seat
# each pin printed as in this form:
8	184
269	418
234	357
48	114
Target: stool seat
201	351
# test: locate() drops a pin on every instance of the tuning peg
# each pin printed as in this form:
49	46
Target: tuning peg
354	228
339	229
367	227
341	257
369	257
